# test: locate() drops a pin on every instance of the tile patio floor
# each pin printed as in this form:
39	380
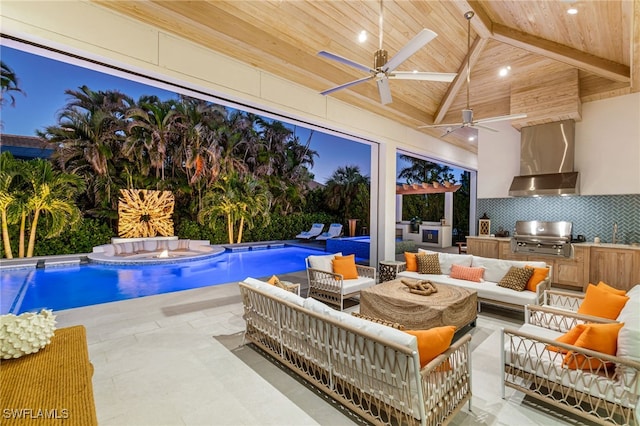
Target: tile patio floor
178	359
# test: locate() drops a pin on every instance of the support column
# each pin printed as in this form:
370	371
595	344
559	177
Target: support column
398	208
386	208
448	208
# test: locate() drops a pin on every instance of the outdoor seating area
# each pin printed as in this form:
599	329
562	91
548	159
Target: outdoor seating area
344	213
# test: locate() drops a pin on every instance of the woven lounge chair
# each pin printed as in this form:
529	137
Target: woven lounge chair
316	229
602	388
332	288
335	230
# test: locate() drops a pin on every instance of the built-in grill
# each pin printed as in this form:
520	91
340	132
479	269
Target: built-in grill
538	237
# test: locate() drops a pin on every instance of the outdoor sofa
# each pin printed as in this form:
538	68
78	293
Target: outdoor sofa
370	368
488	290
602	388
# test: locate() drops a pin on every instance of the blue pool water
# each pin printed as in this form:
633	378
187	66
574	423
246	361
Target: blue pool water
25	290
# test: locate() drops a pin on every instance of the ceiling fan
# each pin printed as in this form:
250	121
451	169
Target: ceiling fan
384	69
467	113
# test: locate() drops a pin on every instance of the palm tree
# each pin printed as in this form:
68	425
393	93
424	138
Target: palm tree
51	197
425	171
154	124
89	136
8	85
344	187
8	172
240	200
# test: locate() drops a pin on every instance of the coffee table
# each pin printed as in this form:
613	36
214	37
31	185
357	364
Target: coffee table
392	301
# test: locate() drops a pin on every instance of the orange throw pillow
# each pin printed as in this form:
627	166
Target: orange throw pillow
602	303
601	338
570	338
412	261
613	290
539	275
432	342
467	273
346	266
273	280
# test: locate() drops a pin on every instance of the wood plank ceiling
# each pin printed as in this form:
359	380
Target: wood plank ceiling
536	39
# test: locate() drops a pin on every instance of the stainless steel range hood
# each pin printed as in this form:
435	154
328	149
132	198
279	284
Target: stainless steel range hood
546	161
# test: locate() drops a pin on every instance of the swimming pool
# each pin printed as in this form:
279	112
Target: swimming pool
60	288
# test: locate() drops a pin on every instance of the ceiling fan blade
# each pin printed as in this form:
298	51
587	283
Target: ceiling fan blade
344	86
421	75
451	130
435	126
481	126
415	44
500	118
384	90
344	60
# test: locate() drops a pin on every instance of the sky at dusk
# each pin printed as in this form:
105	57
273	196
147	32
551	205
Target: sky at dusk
45	80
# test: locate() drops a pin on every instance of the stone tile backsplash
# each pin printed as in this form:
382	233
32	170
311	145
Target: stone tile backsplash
591	215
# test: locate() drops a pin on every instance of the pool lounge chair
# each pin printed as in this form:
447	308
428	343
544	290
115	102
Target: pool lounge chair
335	230
316	229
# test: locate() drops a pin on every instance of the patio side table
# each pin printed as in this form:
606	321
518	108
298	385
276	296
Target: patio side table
388	269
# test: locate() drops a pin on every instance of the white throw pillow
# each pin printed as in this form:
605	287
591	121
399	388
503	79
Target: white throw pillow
448	259
323	263
26	333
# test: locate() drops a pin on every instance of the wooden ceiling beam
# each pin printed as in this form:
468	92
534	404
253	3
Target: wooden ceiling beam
460	80
481	23
568	55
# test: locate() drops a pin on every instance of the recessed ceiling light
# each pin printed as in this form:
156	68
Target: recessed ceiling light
362	37
504	71
472	138
572	11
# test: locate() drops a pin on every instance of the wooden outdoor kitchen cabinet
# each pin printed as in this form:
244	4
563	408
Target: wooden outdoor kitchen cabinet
483	247
568	272
618	267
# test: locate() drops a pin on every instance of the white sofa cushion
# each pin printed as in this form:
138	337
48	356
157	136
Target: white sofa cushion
486	290
356	284
496	269
629	334
448	259
322	262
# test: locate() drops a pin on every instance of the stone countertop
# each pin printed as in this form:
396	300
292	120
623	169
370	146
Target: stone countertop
482	237
612	246
585	244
